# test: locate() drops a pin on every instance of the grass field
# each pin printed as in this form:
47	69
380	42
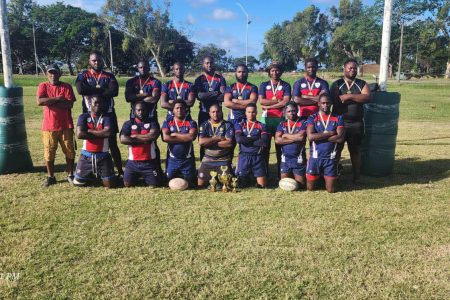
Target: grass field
387	238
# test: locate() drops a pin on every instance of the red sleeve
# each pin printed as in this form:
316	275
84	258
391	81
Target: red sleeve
42	90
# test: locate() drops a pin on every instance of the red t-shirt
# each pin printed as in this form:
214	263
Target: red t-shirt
55	118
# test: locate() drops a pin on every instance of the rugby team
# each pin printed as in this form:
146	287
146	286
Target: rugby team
326	117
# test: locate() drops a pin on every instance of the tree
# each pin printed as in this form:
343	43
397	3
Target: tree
68	30
218	54
276	49
252	62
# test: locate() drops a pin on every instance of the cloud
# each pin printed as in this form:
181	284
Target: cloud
191	20
197	3
222	14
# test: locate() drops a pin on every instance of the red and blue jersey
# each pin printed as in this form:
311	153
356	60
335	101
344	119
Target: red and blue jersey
144	151
170	88
265	90
324	148
352	111
147	85
292	127
94	78
252	129
91	121
246	90
309	87
202	85
179	150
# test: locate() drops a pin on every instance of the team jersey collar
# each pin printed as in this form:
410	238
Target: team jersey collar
308	78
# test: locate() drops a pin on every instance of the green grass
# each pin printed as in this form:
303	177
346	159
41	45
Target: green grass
388	238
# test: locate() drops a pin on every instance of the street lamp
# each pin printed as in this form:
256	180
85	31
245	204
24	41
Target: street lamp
246	34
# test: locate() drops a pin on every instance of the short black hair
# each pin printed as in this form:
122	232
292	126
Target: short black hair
144	61
138	102
215	104
208	56
178	63
326	96
251	104
350	60
311	60
179	101
291	103
95	52
242	65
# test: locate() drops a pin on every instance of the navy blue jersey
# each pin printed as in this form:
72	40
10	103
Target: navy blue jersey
243	90
206	83
180	150
91	121
215	153
324	148
309	87
291	127
253	129
185	88
96	79
146	85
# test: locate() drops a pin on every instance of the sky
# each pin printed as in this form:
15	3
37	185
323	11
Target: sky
222	22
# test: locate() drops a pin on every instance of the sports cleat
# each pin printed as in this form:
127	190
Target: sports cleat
70	179
49	181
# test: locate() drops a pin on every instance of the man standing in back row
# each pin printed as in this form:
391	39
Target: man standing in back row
349	95
96	81
307	90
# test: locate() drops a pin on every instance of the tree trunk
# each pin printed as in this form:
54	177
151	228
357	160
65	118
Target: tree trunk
447	72
19	63
156	56
69	65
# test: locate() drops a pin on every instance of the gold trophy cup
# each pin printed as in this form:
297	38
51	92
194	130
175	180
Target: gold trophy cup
225	179
213	181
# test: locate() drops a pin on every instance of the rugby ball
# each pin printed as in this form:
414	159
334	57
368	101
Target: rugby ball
178	184
288	184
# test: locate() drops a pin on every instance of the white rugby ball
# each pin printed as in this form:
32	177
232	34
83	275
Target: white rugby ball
288	184
178	184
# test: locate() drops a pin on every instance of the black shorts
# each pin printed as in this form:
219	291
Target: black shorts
354	133
204	171
95	166
147	169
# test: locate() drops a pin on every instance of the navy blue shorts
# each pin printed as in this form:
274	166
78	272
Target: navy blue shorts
147	169
95	166
251	164
184	168
204	171
321	167
293	165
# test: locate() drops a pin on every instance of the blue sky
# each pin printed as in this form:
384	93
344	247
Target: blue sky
222	22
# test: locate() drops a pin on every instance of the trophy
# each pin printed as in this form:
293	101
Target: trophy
234	184
225	179
213	181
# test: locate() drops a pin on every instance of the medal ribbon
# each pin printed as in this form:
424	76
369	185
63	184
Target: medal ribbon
328	121
310	86
290	131
145	82
249	130
182	124
349	87
178	90
97	80
274	91
212	80
242	90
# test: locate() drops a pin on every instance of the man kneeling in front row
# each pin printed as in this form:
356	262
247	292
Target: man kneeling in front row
94	129
140	134
216	137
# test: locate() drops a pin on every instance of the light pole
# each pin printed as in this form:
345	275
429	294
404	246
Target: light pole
246	32
385	40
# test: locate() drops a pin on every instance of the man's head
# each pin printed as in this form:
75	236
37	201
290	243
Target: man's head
140	110
241	73
143	67
311	67
96	104
215	113
179	109
325	103
350	69
291	111
274	70
250	112
178	70
96	61
53	73
208	64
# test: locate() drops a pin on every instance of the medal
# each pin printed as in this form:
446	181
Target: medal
240	91
178	89
178	127
97	79
142	85
349	87
210	83
328	121
310	86
249	130
291	129
274	90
